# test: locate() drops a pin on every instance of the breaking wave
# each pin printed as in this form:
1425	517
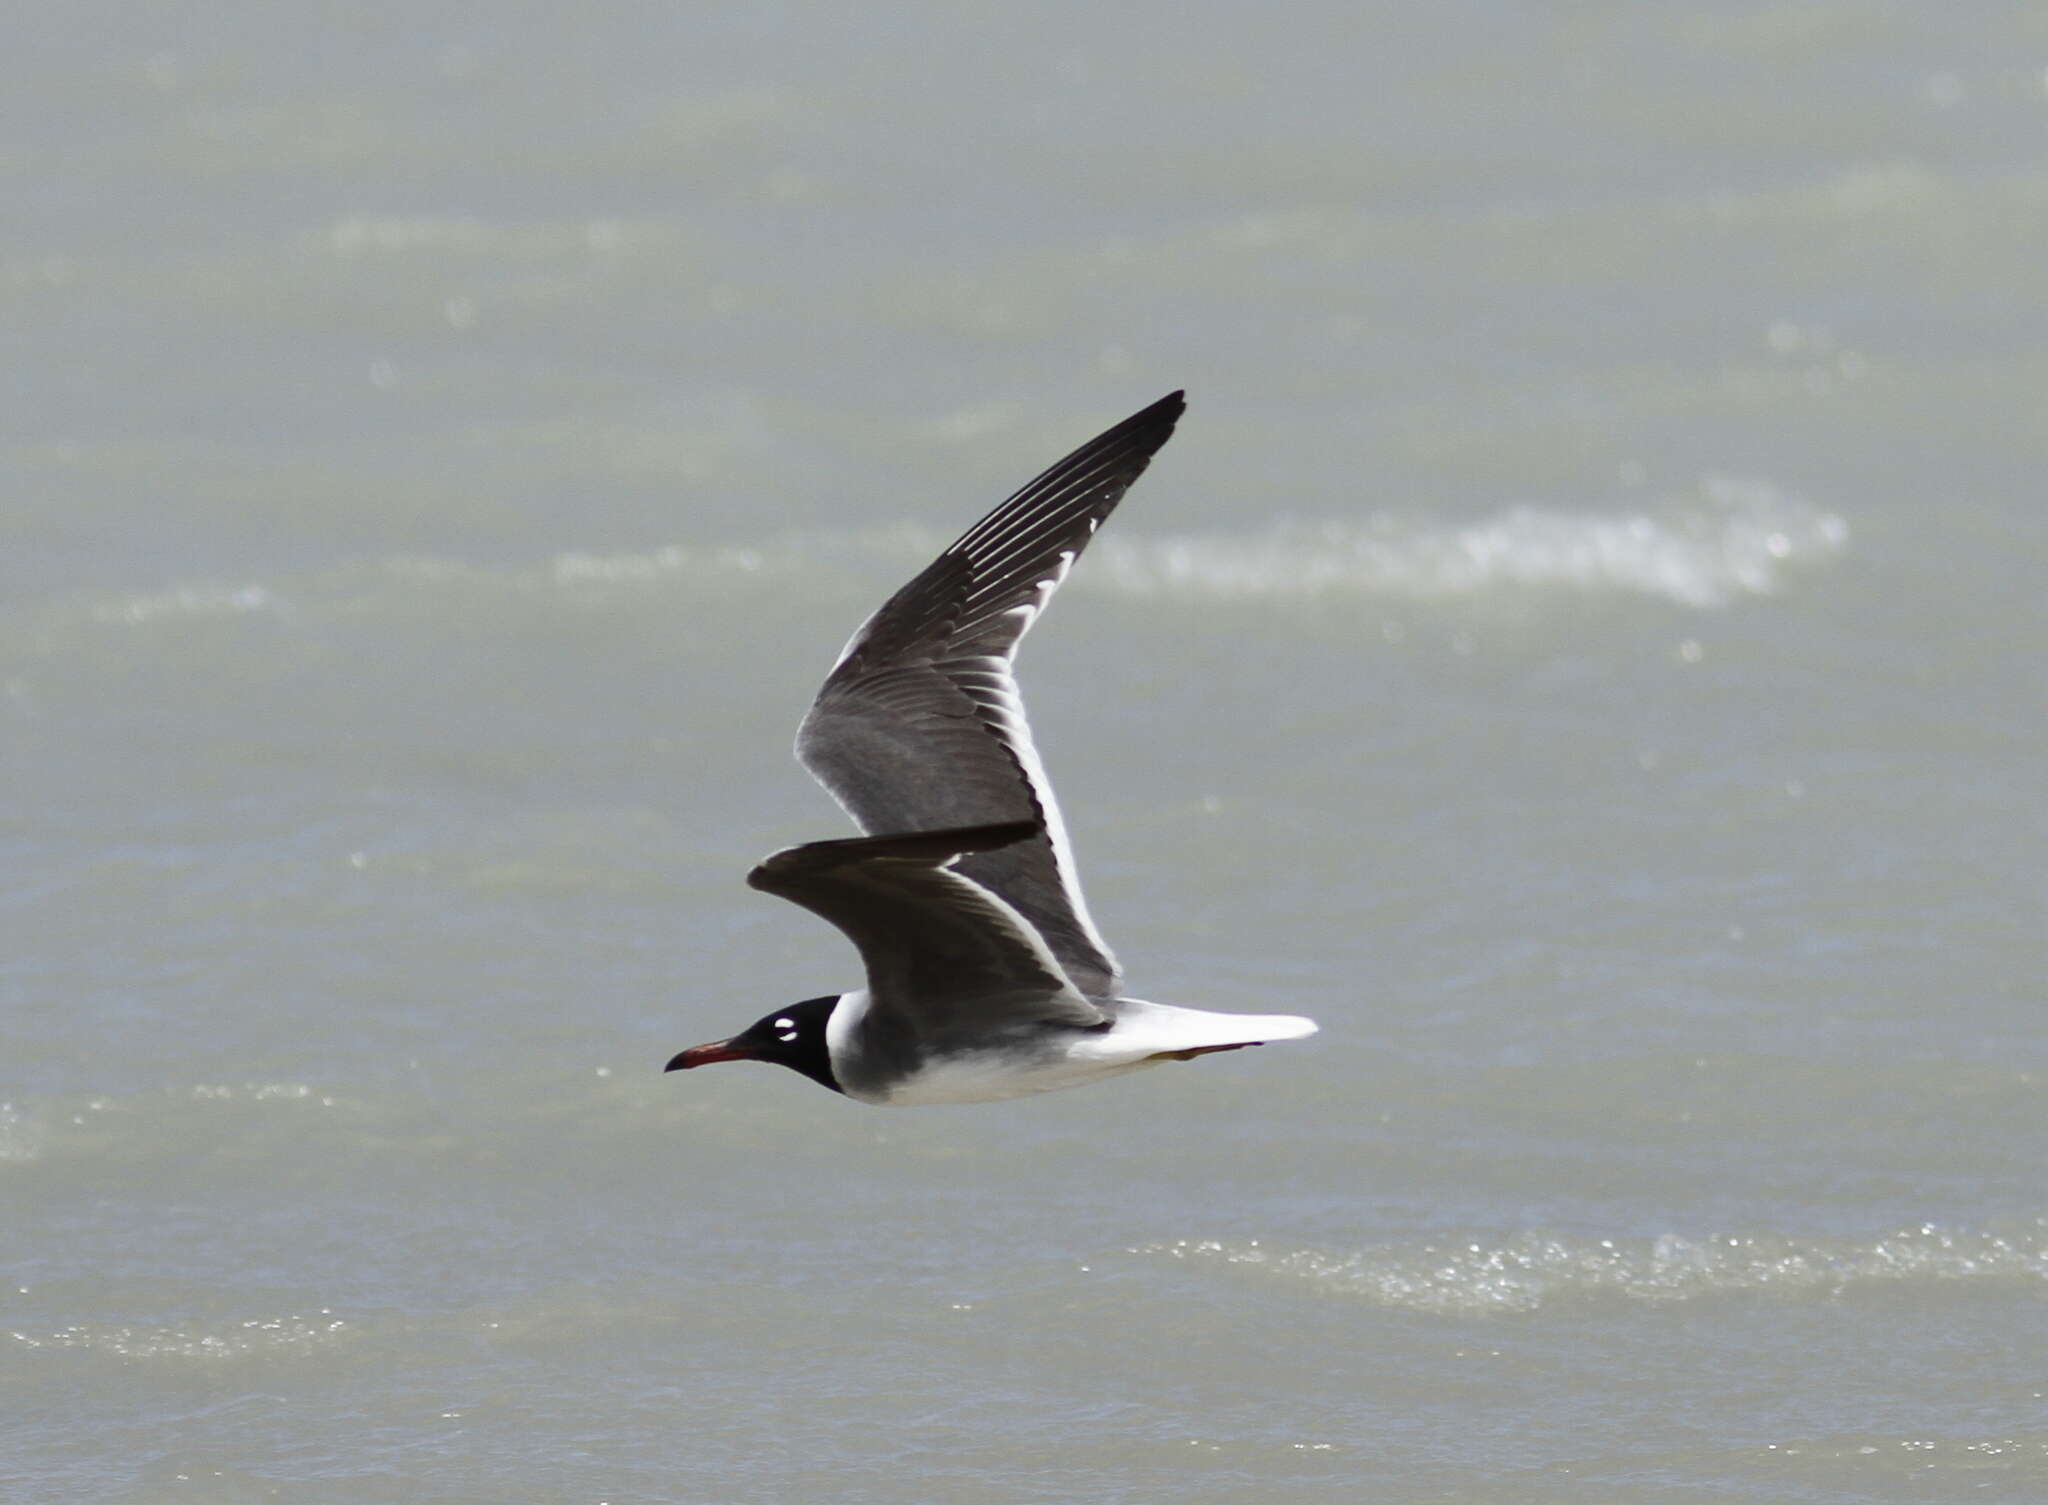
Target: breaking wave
1529	1271
1730	540
1736	538
284	1334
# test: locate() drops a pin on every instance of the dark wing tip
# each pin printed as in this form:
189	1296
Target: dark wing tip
1144	433
1161	415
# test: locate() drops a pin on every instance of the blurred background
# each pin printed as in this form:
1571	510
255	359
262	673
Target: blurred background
1584	645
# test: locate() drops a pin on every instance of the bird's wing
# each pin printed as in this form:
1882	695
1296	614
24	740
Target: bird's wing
920	725
944	956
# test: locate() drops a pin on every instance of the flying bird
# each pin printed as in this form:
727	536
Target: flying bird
986	978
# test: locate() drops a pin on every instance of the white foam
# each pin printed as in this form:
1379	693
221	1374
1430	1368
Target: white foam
576	568
1734	538
261	1092
364	236
1729	540
289	1333
1528	1271
187	601
21	1138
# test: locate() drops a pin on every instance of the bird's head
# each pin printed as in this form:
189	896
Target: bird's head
792	1037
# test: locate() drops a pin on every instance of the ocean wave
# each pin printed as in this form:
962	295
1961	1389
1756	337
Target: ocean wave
1529	1271
1734	538
577	568
21	1137
142	1127
359	236
288	1334
187	601
1729	540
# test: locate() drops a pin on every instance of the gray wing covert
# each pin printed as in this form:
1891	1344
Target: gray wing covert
943	955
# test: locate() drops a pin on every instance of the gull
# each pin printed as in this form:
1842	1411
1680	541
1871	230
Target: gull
986	978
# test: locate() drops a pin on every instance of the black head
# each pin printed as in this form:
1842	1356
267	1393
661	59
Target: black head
792	1037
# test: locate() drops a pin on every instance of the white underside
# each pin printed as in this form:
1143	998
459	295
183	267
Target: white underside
1143	1035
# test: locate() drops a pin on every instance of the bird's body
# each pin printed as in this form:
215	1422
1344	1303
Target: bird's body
986	977
1140	1034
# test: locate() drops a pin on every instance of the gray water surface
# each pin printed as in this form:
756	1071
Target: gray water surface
1584	645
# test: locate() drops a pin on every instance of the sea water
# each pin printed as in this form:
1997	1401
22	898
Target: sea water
1584	646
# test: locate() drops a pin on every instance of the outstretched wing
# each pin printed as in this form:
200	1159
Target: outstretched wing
942	953
920	725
